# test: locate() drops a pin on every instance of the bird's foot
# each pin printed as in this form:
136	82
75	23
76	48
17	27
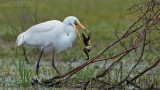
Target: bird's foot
36	81
46	82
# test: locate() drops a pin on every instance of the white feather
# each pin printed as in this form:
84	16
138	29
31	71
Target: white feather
53	35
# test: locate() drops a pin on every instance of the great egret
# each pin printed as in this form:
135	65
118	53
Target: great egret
51	35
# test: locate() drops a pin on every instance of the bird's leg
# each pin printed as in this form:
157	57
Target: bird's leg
24	53
54	64
37	67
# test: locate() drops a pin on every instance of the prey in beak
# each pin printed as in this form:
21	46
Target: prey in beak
78	23
86	41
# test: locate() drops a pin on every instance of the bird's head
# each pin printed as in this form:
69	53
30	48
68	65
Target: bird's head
74	22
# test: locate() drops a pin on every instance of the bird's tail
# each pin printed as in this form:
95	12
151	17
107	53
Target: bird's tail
20	39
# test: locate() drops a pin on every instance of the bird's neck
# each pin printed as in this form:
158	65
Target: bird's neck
70	33
69	36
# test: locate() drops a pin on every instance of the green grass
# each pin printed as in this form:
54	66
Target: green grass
23	70
98	16
101	17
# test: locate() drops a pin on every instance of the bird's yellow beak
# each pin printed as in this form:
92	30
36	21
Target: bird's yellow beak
81	27
78	32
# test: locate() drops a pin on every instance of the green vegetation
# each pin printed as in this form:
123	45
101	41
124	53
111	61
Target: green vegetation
100	17
23	70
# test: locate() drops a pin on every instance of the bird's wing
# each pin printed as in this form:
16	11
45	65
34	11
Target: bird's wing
45	26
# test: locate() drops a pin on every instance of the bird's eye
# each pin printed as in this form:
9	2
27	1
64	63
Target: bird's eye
75	23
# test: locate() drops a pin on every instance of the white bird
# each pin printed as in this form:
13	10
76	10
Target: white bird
51	35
